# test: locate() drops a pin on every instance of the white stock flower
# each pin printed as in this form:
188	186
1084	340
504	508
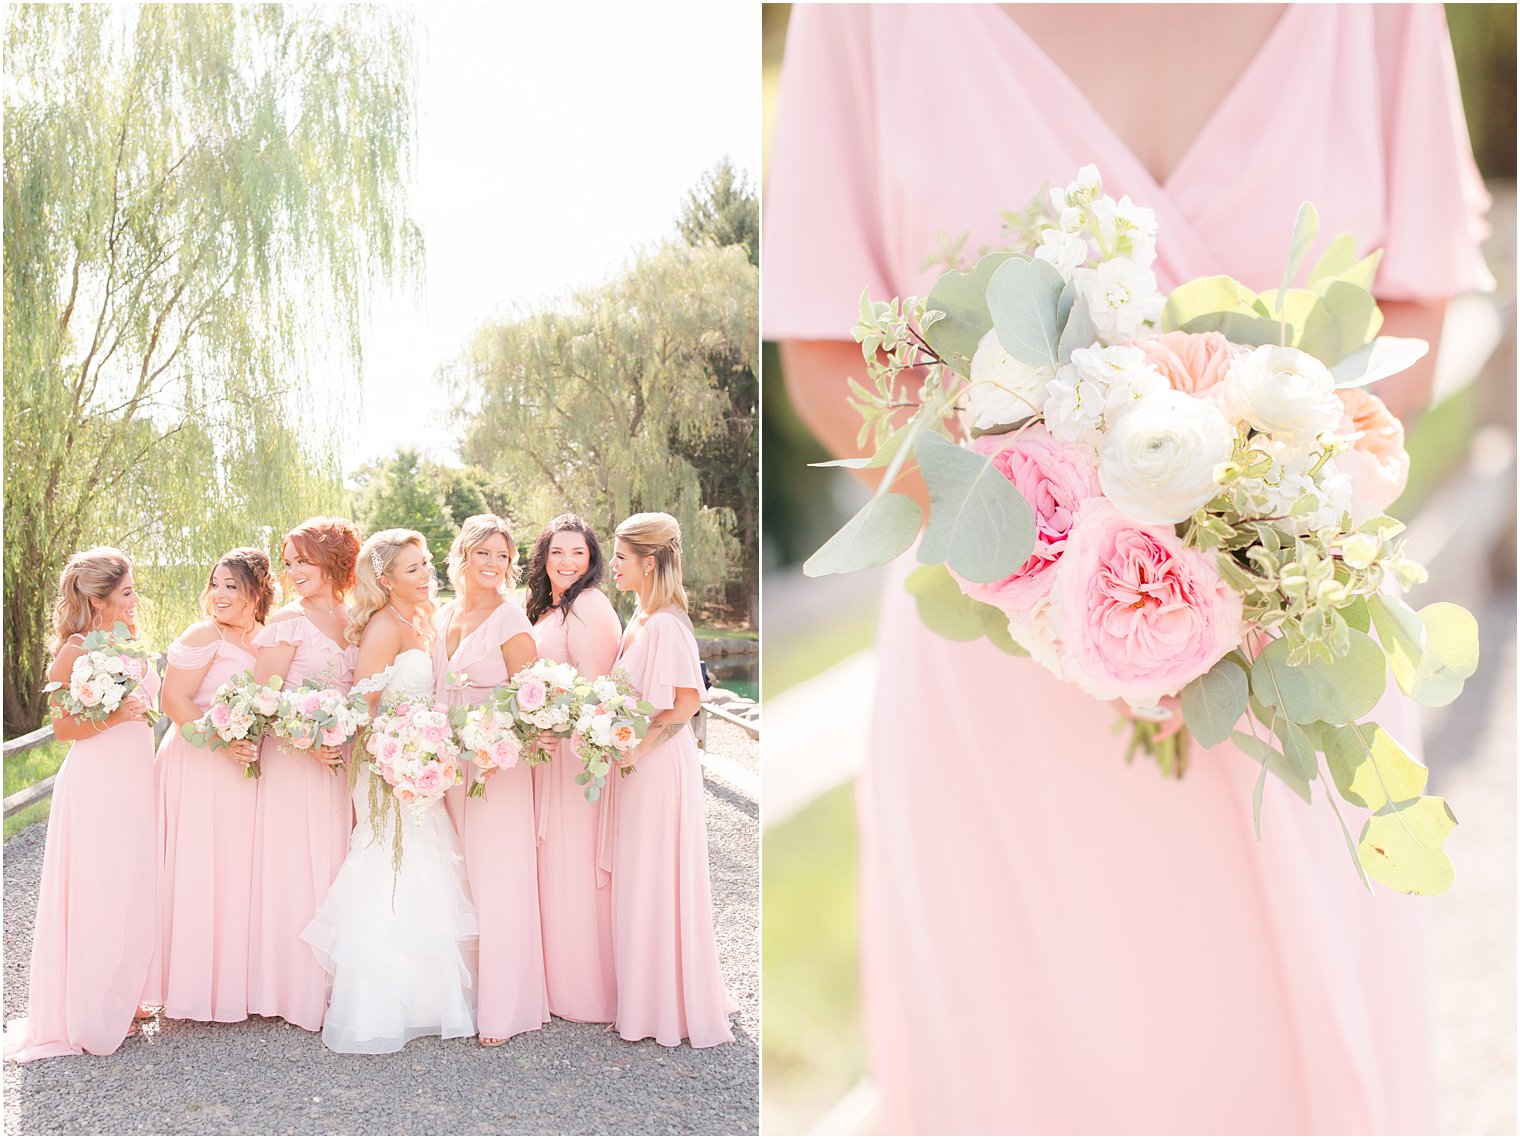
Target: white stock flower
1121	296
1289	480
1066	251
1072	203
1004	390
1094	389
1127	230
1157	462
1284	392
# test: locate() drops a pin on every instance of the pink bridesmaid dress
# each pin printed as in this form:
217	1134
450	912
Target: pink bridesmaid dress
206	808
574	892
300	836
497	832
669	984
1053	941
94	934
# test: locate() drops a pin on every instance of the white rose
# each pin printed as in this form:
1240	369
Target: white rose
1004	390
1121	297
1286	393
1157	462
1066	251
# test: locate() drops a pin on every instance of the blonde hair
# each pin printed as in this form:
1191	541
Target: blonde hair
369	597
89	574
478	529
657	535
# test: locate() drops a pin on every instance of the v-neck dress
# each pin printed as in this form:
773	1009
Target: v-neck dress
498	834
1051	940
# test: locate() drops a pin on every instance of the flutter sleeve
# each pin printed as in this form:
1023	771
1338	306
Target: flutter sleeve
1436	198
822	238
507	621
671	661
279	633
183	656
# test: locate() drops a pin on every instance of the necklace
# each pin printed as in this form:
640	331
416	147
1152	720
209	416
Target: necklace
405	621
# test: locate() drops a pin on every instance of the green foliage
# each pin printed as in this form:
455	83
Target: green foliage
883	529
1402	846
198	199
587	406
1024	300
962	297
1214	703
722	209
978	521
945	610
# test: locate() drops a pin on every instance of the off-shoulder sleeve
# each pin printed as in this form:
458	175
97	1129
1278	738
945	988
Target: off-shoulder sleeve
291	632
822	237
671	660
592	632
181	655
1436	198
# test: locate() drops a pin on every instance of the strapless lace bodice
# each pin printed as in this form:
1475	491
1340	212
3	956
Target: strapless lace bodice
410	674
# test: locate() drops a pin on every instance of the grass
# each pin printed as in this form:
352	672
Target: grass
27	768
803	656
718	633
813	1047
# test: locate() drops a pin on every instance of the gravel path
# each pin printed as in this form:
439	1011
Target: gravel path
262	1076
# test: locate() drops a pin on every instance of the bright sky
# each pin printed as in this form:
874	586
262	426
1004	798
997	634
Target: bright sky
553	140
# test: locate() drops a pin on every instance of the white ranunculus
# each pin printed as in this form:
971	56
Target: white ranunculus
1004	390
1066	251
1157	462
1121	297
1286	393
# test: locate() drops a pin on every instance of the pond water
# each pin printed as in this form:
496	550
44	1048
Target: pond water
740	674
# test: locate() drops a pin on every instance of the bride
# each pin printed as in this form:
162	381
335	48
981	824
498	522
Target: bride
399	943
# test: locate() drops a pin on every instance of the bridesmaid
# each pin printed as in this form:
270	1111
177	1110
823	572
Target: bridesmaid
95	915
668	981
573	622
483	638
206	807
303	818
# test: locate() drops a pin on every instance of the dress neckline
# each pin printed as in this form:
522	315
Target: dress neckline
340	649
1166	185
448	627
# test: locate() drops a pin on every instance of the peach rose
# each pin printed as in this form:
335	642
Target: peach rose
1192	362
1376	462
1138	614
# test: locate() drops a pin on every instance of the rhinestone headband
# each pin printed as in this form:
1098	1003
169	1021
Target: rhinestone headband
374	561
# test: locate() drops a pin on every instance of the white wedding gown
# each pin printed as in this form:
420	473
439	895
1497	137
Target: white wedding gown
399	949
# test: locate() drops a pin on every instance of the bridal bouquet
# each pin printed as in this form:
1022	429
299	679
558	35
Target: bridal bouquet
612	721
315	714
1173	501
241	709
103	676
544	697
412	747
490	732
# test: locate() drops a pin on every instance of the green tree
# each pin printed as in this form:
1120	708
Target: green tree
401	493
584	408
722	209
198	201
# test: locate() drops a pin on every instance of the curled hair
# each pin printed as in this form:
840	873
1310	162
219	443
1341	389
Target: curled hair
478	529
540	591
657	535
370	596
88	575
330	544
255	581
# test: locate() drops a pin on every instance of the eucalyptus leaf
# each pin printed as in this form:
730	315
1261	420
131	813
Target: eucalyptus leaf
1451	654
1079	332
1371	768
942	607
1335	260
883	529
1356	858
1213	703
1357	615
1024	298
978	522
995	628
1206	297
1337	692
1385	356
1277	763
1345	319
1297	748
1362	274
1305	230
1402	634
1402	846
962	297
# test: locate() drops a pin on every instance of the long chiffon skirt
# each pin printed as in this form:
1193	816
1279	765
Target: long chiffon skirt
206	811
574	894
300	836
95	905
1055	942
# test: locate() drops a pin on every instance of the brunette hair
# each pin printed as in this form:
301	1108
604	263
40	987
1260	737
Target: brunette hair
657	535
540	592
477	530
254	578
89	574
375	559
330	544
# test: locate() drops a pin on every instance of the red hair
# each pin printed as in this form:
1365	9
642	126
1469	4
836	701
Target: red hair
330	544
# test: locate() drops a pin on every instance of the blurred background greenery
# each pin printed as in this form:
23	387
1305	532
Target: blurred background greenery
813	1047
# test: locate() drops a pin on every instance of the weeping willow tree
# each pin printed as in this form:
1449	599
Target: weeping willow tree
594	405
199	202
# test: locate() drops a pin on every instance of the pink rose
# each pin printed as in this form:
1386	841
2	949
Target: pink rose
1376	462
623	736
450	773
311	704
435	733
406	794
388	749
1055	478
505	752
430	782
1138	614
333	737
531	694
89	693
221	716
1192	362
266	701
303	741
